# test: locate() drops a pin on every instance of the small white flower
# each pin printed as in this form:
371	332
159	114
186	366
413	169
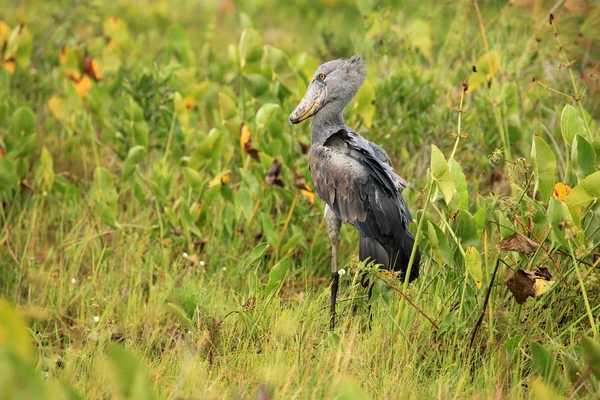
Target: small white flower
185	255
224	269
45	193
341	271
73	281
96	318
202	263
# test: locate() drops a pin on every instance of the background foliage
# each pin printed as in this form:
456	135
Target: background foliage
159	236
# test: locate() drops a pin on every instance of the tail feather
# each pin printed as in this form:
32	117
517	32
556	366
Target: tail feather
393	256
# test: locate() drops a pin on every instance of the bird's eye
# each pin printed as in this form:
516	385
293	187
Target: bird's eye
322	77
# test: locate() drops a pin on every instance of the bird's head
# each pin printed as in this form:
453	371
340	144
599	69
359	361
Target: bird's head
335	82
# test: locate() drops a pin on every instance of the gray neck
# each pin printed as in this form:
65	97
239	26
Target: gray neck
327	121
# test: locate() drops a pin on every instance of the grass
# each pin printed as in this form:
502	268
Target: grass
139	221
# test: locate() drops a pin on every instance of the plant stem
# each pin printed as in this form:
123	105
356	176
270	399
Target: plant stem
583	292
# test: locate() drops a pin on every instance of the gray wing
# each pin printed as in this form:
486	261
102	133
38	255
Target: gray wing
358	186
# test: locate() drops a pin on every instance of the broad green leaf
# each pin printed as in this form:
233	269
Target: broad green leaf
24	42
441	174
347	388
265	115
244	204
129	375
250	47
583	157
487	67
14	334
256	84
543	391
460	183
21	139
544	363
544	165
9	180
178	45
571	124
134	157
227	107
466	229
591	355
184	320
257	253
447	322
585	192
473	265
277	275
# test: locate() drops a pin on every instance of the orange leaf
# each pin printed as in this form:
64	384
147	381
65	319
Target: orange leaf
561	190
83	86
190	102
10	67
63	54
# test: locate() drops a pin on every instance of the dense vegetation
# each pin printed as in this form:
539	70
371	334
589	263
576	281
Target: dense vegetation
159	236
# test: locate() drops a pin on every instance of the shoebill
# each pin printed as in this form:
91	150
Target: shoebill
353	176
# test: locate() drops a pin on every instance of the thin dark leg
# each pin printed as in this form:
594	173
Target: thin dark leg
335	280
333	226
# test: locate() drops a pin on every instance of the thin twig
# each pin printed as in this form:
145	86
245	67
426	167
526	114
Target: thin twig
485	303
410	302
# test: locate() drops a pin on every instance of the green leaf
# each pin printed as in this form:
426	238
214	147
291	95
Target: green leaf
265	115
227	107
473	264
256	84
585	192
251	46
591	355
441	174
46	168
419	35
181	316
134	157
257	253
277	276
447	322
14	334
21	139
583	157
544	166
4	84
193	179
544	363
244	204
460	183
129	375
8	175
571	124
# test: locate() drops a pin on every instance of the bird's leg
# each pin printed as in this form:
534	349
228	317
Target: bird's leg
333	227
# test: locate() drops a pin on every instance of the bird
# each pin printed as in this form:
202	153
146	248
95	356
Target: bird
353	176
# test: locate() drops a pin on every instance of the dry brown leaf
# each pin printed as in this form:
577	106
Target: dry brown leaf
300	183
91	68
274	174
524	284
519	243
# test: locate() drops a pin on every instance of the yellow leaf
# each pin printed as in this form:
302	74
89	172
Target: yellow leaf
58	107
561	191
309	196
541	286
83	86
221	179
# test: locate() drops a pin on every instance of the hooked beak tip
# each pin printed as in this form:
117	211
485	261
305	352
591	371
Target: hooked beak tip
293	121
